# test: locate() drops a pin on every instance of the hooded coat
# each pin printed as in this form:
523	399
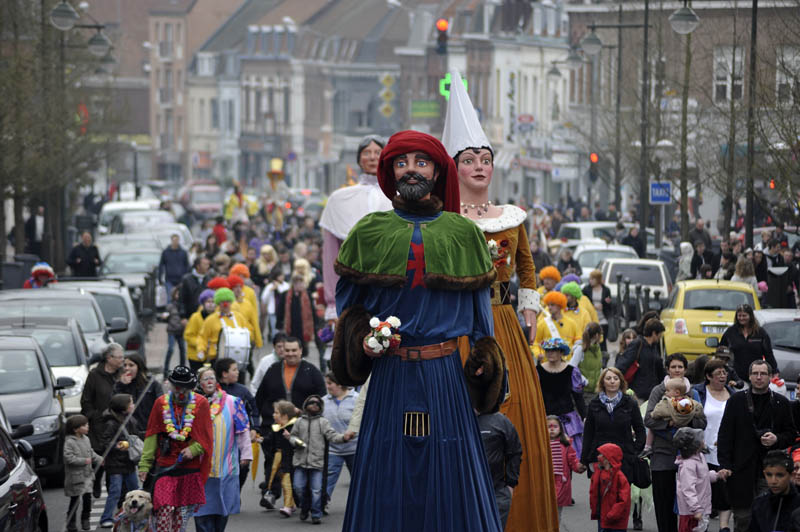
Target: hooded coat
694	478
685	262
313	431
610	493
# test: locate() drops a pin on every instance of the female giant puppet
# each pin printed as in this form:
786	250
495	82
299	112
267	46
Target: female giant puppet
533	505
420	465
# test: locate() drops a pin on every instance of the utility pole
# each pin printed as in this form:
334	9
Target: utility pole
751	104
644	184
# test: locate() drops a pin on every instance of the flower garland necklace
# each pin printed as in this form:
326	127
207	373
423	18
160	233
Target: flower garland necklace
216	404
168	416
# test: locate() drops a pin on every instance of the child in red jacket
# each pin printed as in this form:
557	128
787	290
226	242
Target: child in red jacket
564	462
610	493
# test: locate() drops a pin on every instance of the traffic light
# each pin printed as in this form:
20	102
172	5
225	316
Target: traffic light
772	184
594	171
441	40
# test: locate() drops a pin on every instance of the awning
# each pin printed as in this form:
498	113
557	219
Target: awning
504	159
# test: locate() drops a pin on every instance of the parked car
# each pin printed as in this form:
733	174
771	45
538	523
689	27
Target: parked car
22	504
202	197
138	221
647	273
590	256
163	234
133	266
29	393
573	233
77	304
700	309
783	327
107	244
115	301
63	345
112	208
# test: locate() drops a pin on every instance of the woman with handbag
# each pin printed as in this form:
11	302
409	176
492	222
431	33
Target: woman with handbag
640	364
662	462
126	449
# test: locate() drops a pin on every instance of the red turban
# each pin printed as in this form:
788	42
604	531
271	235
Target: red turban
446	188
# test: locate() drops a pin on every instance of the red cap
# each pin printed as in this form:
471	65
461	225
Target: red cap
446	188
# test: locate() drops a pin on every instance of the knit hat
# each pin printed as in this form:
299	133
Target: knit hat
571	278
42	269
550	272
224	294
555	298
205	295
556	344
572	289
218	282
241	270
235	280
688	441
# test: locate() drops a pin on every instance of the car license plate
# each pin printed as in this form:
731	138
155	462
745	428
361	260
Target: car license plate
713	330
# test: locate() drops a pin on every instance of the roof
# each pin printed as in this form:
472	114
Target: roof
174	7
11	341
776	314
232	33
37	321
602	246
43	294
643	262
714	284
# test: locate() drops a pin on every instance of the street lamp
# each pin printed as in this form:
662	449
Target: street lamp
63	16
99	45
554	73
574	61
592	44
684	20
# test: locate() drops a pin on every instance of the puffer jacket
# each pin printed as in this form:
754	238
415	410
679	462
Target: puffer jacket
694	485
610	493
309	436
117	461
78	477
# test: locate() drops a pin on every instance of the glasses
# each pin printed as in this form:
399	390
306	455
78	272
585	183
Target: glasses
719	373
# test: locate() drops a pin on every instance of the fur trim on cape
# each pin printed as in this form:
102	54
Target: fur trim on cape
348	361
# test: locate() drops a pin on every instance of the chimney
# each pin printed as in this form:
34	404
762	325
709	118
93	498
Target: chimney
252	35
266	32
291	36
277	38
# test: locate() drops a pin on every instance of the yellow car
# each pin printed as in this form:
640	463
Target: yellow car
701	309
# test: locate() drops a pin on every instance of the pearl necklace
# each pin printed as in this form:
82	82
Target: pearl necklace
481	208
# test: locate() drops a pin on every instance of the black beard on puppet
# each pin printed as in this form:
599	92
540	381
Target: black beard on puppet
416	191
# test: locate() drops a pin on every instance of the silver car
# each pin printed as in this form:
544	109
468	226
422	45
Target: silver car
783	327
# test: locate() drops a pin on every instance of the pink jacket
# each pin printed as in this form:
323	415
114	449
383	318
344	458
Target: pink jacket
694	485
564	483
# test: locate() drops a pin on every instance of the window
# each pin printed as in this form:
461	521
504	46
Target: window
649	275
715	299
230	115
728	73
9	455
787	75
20	371
214	104
58	346
201	123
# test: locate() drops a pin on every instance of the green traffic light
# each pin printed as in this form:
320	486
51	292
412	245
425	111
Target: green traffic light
444	86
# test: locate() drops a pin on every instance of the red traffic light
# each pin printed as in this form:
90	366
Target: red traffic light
593	157
771	183
442	24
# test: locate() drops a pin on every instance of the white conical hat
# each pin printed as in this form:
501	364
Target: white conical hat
461	126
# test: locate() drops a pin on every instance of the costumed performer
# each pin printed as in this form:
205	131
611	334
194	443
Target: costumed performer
41	273
239	208
419	464
231	430
554	323
534	500
179	441
584	302
550	276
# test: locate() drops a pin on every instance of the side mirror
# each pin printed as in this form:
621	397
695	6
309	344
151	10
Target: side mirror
22	431
25	449
118	325
712	341
64	382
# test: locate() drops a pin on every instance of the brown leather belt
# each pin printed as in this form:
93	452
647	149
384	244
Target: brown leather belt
426	352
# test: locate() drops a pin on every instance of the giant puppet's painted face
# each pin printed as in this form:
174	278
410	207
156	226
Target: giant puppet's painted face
475	168
415	174
369	157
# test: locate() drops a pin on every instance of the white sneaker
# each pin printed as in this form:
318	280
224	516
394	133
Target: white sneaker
107	524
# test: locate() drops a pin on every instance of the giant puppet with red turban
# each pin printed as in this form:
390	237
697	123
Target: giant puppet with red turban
420	461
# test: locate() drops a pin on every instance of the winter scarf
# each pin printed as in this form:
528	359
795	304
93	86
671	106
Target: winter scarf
609	403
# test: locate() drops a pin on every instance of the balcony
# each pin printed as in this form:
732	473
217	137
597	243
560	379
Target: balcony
166	141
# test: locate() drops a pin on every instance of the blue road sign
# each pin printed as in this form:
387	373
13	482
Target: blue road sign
660	193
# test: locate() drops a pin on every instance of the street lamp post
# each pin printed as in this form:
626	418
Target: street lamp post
135	170
751	104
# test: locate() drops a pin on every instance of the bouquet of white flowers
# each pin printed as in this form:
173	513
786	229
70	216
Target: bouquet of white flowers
382	337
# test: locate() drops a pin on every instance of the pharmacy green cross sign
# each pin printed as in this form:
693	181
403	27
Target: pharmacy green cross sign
444	86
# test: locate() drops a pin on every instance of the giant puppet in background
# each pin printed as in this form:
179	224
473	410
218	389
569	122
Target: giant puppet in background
420	464
534	501
345	207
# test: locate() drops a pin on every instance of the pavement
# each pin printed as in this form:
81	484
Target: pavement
574	518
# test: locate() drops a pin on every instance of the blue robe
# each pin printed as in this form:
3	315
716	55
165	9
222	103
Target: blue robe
438	482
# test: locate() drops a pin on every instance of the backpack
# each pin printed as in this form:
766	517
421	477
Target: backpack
234	342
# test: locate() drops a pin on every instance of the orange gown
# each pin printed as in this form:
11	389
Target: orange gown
533	507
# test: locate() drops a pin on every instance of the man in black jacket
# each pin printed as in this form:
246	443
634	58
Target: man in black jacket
755	421
174	264
645	351
192	284
636	242
84	259
701	256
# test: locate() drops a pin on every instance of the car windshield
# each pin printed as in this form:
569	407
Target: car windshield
644	274
80	309
206	196
111	306
590	259
20	371
58	347
784	334
714	299
570	233
131	263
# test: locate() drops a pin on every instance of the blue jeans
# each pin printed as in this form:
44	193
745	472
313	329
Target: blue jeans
171	340
303	477
210	523
115	482
335	462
